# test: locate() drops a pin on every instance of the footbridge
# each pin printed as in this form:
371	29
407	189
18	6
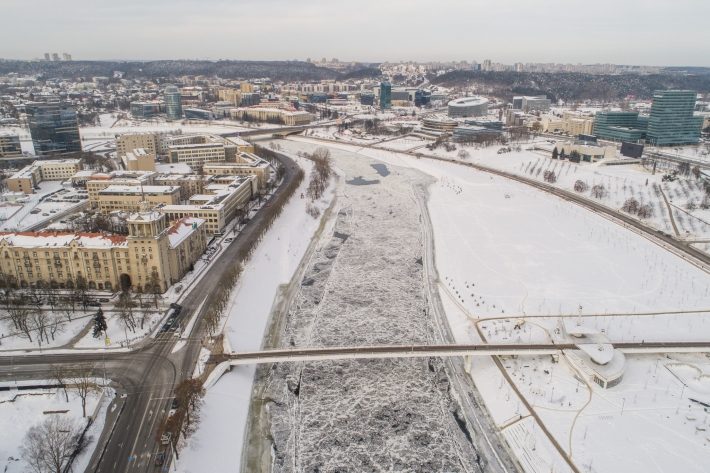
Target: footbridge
425	351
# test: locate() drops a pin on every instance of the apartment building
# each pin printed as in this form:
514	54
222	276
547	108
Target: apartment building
272	115
152	253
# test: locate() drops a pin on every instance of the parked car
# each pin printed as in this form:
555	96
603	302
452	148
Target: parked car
165	438
159	459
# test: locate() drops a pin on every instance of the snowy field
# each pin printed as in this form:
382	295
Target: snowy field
224	414
20	410
504	249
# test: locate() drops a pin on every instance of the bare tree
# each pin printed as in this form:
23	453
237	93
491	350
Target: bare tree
48	446
59	374
83	383
580	186
125	311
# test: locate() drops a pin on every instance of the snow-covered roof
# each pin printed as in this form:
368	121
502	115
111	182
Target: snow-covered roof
62	239
182	229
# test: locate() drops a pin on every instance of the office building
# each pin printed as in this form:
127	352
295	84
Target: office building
129	198
619	126
246	164
385	95
144	110
54	128
9	145
129	141
672	121
139	160
468	107
272	115
28	178
173	102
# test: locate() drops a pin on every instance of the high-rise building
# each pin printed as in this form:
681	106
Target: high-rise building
385	95
672	121
55	57
66	56
46	57
54	128
619	126
173	103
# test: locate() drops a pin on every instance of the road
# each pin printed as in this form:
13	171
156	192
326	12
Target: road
146	377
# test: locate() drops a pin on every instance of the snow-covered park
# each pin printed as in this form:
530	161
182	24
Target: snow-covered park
20	410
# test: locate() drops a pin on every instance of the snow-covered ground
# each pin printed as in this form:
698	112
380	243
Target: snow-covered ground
224	414
504	249
20	410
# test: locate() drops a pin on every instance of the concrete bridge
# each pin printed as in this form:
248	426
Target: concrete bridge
424	351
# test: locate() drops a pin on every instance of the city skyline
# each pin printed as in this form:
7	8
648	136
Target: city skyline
554	32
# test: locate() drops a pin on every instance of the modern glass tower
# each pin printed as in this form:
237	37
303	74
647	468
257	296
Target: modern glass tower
173	104
54	128
385	95
672	121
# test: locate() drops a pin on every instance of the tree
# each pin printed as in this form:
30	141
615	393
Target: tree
100	325
598	191
555	153
631	206
81	290
125	311
59	374
66	307
189	395
49	445
463	154
155	287
645	211
83	384
575	157
580	186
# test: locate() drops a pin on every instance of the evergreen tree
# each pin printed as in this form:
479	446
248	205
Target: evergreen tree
99	323
555	154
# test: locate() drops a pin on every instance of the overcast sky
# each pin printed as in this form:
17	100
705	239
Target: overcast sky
652	32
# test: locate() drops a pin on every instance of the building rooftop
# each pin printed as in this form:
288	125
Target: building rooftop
61	239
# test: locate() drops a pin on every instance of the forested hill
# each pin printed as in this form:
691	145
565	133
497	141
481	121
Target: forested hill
573	86
276	70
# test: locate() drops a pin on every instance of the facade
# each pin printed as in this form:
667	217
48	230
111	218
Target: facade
139	160
532	103
672	121
438	123
152	253
129	198
588	152
199	114
619	126
385	95
196	150
272	115
472	133
99	181
10	145
173	102
54	128
26	179
189	184
129	141
570	124
222	200
468	107
247	164
146	109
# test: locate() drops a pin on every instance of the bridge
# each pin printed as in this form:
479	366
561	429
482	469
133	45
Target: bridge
279	131
425	351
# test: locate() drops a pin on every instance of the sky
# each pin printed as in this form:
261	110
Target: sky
646	32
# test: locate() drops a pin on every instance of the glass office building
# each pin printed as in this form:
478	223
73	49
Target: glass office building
54	128
385	95
173	102
619	126
672	121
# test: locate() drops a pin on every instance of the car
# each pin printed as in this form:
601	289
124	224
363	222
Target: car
159	459
104	300
175	404
93	304
165	438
